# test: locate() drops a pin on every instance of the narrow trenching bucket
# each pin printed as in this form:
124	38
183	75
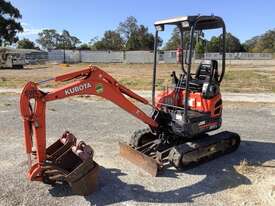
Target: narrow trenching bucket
147	163
72	162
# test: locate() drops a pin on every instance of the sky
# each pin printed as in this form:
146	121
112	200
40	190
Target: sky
87	19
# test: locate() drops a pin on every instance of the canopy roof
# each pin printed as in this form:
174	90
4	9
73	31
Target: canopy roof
204	22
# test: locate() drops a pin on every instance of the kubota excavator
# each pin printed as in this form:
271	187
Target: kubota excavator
178	126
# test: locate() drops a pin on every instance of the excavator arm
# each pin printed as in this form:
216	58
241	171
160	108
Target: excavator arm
89	81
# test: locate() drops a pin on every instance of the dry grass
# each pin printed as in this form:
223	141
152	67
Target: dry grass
261	190
244	167
249	81
238	78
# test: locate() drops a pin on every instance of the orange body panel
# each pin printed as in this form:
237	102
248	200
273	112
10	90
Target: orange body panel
196	101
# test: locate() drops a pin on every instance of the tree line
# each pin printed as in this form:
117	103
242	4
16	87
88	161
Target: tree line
203	45
129	35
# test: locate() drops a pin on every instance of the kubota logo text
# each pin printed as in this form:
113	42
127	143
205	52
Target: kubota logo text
79	88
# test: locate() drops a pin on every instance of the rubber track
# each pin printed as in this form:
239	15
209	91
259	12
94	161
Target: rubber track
207	158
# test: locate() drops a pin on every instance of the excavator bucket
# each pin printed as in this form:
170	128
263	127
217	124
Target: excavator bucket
65	142
147	163
71	162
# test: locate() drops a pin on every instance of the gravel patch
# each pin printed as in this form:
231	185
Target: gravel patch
102	124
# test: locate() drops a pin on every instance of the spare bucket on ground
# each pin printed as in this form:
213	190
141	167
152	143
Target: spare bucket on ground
71	162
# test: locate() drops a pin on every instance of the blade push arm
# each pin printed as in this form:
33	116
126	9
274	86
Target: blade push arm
89	81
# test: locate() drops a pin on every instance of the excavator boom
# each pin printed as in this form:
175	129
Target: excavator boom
89	81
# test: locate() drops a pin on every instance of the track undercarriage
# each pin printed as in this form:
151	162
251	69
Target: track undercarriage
151	154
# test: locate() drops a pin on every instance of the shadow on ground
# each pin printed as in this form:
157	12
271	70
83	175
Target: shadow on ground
219	175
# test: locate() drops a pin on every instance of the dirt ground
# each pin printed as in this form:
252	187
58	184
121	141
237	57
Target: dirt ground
238	78
245	177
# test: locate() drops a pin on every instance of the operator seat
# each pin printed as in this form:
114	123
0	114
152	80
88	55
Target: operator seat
207	77
207	73
207	70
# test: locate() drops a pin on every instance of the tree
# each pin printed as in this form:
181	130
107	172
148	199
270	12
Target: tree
128	35
128	27
84	46
9	26
174	41
48	39
25	44
200	48
133	42
141	40
66	41
213	45
232	44
262	43
136	37
250	44
110	41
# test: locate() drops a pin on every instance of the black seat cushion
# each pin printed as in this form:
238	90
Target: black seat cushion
207	70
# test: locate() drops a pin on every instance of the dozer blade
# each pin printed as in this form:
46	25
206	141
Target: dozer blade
143	161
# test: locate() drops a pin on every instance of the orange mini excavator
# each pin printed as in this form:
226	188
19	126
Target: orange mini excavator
178	126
